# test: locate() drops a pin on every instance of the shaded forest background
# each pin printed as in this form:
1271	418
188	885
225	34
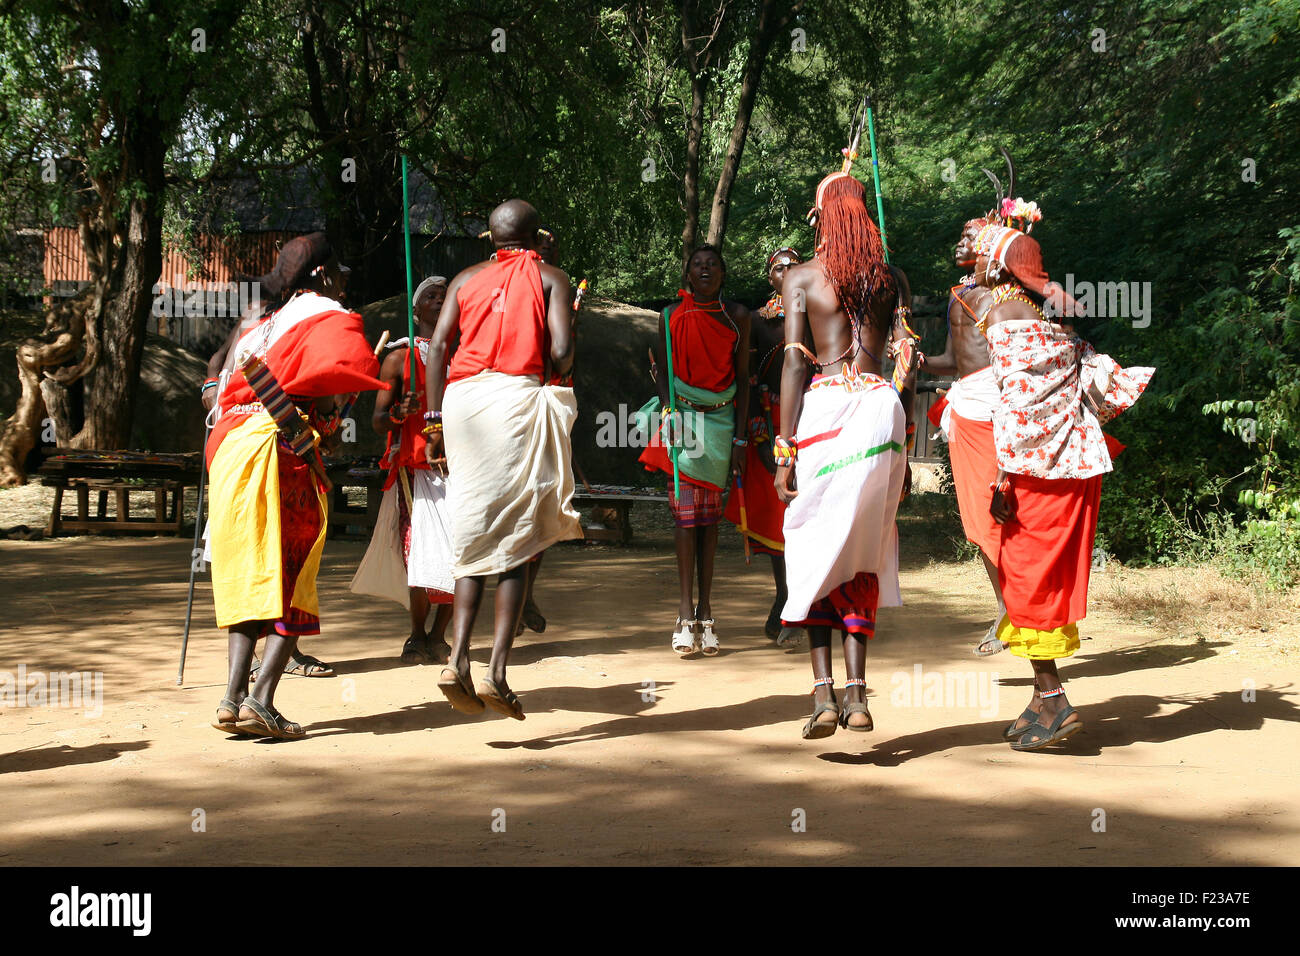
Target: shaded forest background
1162	140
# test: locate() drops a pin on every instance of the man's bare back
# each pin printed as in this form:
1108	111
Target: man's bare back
813	307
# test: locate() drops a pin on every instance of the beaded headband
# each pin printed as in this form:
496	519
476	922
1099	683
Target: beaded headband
786	255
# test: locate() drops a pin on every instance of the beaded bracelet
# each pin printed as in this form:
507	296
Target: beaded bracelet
207	384
739	442
784	452
429	430
393	417
434	416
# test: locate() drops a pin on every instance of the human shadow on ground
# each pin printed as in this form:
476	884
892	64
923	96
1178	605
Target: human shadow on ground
619	699
1117	722
732	716
1123	660
49	758
370	665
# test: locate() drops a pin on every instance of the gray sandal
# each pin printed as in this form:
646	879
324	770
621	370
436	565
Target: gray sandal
1037	736
1013	732
229	725
267	722
815	729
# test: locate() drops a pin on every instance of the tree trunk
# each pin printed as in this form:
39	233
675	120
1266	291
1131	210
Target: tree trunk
113	379
760	44
694	138
65	327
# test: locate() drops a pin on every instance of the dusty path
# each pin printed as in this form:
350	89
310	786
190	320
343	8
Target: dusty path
628	755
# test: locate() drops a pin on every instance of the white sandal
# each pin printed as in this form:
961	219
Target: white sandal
684	638
708	640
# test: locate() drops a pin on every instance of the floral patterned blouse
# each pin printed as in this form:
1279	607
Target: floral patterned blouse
1055	393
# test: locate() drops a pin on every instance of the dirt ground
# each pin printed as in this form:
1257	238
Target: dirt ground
630	755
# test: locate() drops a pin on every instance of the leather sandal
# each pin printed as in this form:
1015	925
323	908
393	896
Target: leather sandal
817	729
263	721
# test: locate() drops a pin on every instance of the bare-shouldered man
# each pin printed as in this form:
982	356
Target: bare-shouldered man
842	451
967	422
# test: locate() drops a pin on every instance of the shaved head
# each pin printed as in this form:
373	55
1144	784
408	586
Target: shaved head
515	223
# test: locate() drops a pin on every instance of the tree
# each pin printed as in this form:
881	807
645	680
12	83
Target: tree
79	68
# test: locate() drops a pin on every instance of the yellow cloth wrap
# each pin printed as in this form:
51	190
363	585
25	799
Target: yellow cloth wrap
1036	645
247	562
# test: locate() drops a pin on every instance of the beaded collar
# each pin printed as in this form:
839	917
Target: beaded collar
1008	292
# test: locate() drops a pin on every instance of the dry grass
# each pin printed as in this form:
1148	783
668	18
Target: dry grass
1198	601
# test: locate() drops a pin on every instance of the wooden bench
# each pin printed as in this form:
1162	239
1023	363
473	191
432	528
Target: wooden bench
118	473
166	518
617	501
347	521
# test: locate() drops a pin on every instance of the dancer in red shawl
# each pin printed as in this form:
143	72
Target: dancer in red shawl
710	341
548	247
409	557
1054	394
295	261
764	511
507	437
268	503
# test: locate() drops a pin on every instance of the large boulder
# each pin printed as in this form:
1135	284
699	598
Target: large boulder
612	378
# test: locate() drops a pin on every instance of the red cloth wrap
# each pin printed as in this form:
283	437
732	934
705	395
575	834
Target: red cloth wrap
1046	552
325	354
704	347
299	528
704	357
409	453
974	467
851	607
764	510
503	319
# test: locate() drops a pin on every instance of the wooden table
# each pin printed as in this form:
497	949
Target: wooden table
619	499
118	473
347	521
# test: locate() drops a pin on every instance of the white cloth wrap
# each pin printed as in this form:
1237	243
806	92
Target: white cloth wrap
974	397
381	572
507	439
841	523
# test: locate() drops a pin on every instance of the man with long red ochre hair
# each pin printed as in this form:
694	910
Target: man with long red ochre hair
842	450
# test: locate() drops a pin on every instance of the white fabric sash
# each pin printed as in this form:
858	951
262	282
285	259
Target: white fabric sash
511	473
974	397
849	477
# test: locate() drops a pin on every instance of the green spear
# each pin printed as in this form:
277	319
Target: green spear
875	175
410	289
672	410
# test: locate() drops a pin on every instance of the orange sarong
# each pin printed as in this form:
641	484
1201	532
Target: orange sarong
1046	551
974	468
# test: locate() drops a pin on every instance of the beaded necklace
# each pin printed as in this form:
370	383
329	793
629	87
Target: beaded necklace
1008	292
